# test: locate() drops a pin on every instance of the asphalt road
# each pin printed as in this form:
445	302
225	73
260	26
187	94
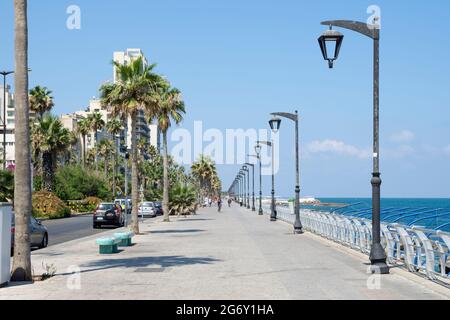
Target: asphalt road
64	230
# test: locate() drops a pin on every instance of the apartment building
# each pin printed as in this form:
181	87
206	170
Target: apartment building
10	115
146	131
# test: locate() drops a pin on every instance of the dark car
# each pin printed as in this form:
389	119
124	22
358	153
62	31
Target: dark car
38	234
108	214
158	207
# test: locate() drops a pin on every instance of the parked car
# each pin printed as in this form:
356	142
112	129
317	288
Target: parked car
39	233
158	207
121	203
147	209
108	214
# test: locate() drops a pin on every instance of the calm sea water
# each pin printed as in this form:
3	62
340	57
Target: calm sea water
429	213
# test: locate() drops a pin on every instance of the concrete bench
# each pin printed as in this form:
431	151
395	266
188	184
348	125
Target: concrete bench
108	245
125	238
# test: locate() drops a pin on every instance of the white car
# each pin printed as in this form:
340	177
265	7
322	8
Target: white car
147	209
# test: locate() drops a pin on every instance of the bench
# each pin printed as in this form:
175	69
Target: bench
108	245
125	238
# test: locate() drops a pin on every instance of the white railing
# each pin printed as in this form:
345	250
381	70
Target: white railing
416	249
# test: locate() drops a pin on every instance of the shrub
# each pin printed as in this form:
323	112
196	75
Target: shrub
182	200
6	186
77	183
48	205
92	203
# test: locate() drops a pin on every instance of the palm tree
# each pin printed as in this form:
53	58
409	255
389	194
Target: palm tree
170	107
41	101
132	92
54	139
83	130
205	172
97	123
114	127
106	150
21	270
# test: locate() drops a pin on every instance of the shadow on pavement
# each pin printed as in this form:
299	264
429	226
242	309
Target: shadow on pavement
193	219
177	231
142	262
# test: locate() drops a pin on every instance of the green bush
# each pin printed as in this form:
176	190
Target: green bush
77	183
48	205
6	186
182	200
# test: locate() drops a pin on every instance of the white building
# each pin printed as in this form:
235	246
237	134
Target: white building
149	132
10	125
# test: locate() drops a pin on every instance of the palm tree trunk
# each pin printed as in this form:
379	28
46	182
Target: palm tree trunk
47	171
106	167
134	176
21	270
96	149
114	168
165	179
84	151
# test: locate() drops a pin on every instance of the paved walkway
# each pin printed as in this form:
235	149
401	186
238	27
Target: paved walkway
232	255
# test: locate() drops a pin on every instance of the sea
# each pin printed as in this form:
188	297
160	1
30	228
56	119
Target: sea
433	214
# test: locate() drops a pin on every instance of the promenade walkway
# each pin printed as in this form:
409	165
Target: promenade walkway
235	254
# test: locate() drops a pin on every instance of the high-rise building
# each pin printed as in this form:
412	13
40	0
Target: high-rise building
149	132
10	115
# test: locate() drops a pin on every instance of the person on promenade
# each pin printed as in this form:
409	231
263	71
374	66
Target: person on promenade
229	202
219	204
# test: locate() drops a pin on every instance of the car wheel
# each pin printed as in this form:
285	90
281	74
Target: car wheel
44	242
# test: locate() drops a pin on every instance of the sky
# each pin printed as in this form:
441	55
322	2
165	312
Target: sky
238	61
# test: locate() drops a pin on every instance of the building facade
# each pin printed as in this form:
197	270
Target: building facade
149	132
9	115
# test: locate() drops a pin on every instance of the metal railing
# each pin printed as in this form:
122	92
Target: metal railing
416	249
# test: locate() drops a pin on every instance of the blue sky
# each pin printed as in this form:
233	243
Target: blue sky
237	61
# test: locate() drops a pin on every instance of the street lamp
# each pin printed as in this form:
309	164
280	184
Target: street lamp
253	184
247	172
273	215
258	149
333	39
377	255
4	74
275	125
244	200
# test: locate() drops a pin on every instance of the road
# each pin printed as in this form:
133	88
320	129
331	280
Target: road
64	230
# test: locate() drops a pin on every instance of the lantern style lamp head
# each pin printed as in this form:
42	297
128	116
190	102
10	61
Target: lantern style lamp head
330	42
275	124
258	149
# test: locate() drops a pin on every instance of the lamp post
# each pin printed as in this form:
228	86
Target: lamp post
377	255
244	184
247	172
4	74
242	174
258	155
275	124
273	215
253	185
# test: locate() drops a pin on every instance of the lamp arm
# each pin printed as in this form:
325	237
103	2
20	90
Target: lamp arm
290	116
370	30
267	143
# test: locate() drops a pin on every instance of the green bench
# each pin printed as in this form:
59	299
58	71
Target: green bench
125	238
108	245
